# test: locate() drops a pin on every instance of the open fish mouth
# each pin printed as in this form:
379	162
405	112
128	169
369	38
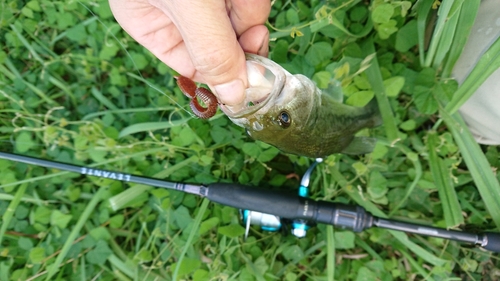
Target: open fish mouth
266	79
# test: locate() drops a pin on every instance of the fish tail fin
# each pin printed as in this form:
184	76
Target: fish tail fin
373	109
363	145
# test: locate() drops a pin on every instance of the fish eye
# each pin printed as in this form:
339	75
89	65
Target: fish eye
284	119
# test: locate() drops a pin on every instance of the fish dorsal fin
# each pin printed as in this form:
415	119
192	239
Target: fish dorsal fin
335	91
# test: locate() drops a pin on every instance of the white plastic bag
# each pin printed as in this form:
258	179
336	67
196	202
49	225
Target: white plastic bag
482	111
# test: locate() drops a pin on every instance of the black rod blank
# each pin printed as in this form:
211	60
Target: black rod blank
102	173
277	203
429	230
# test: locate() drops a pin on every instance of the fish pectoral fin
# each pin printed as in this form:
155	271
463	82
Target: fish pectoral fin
360	145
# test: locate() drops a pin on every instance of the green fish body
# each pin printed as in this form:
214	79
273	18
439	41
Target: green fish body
296	117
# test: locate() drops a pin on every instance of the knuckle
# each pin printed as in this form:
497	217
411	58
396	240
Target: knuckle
216	65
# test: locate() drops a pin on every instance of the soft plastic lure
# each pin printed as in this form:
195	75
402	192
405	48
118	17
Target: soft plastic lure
190	90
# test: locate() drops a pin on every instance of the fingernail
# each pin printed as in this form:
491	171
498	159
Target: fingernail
264	47
231	93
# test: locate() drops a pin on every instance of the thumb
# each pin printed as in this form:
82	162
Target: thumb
212	44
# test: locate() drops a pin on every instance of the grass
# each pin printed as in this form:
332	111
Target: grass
75	88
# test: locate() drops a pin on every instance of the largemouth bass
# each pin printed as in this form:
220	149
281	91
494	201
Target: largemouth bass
291	113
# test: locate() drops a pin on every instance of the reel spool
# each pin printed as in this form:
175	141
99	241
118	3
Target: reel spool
272	223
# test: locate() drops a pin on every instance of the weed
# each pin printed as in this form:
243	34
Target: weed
75	88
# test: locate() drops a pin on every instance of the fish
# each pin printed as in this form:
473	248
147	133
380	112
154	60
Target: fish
291	113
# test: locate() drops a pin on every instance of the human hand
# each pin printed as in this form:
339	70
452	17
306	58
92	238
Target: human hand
203	40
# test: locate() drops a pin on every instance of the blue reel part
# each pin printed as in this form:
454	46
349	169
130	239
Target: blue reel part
266	222
300	227
272	223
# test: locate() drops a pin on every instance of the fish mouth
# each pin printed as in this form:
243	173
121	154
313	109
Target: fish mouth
266	79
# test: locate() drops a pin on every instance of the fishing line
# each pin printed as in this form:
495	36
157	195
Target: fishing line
136	68
267	201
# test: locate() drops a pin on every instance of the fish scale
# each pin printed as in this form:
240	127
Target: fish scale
316	125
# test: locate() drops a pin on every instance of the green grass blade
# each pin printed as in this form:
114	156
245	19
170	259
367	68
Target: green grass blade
374	210
481	171
415	264
449	34
443	13
475	212
423	9
375	78
122	199
312	249
330	252
194	230
82	23
400	236
63	86
9	213
91	207
83	275
122	266
27	199
32	87
151	126
489	63
365	246
93	115
413	157
27	44
442	178
106	102
6	72
464	26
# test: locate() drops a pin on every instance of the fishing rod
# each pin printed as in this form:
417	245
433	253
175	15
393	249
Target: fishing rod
285	205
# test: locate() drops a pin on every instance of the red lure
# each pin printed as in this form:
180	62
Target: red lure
189	88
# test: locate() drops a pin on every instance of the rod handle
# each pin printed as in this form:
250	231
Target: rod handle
290	206
285	205
493	242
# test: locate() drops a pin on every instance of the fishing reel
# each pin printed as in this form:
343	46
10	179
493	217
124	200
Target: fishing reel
297	209
273	223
